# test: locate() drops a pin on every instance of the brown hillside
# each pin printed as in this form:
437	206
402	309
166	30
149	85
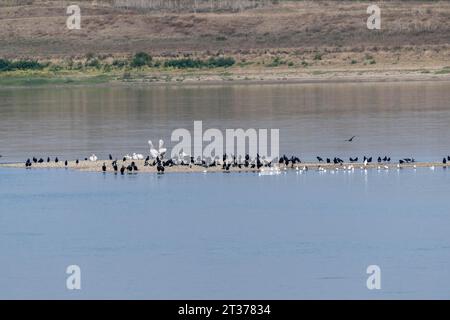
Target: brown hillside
36	28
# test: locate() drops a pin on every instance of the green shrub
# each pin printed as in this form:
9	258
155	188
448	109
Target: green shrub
119	63
186	63
70	64
141	59
55	68
220	62
26	65
183	63
445	70
276	62
244	63
78	66
7	65
94	63
4	65
318	56
107	67
126	75
89	56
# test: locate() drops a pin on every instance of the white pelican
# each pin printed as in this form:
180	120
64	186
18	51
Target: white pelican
162	151
137	156
128	157
153	152
181	157
93	158
265	161
157	153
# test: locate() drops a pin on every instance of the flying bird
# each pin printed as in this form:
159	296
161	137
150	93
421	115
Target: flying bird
351	139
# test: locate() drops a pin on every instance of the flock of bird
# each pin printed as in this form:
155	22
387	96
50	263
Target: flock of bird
156	159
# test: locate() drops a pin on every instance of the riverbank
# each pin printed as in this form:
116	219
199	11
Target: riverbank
277	42
233	76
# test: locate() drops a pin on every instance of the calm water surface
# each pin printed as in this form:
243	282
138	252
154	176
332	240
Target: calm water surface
401	120
226	235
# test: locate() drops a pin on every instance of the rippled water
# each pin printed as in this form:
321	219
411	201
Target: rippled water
219	235
398	119
225	235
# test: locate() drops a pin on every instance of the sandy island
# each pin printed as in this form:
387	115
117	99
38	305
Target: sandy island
97	167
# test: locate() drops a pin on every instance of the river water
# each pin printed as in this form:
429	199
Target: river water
215	235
